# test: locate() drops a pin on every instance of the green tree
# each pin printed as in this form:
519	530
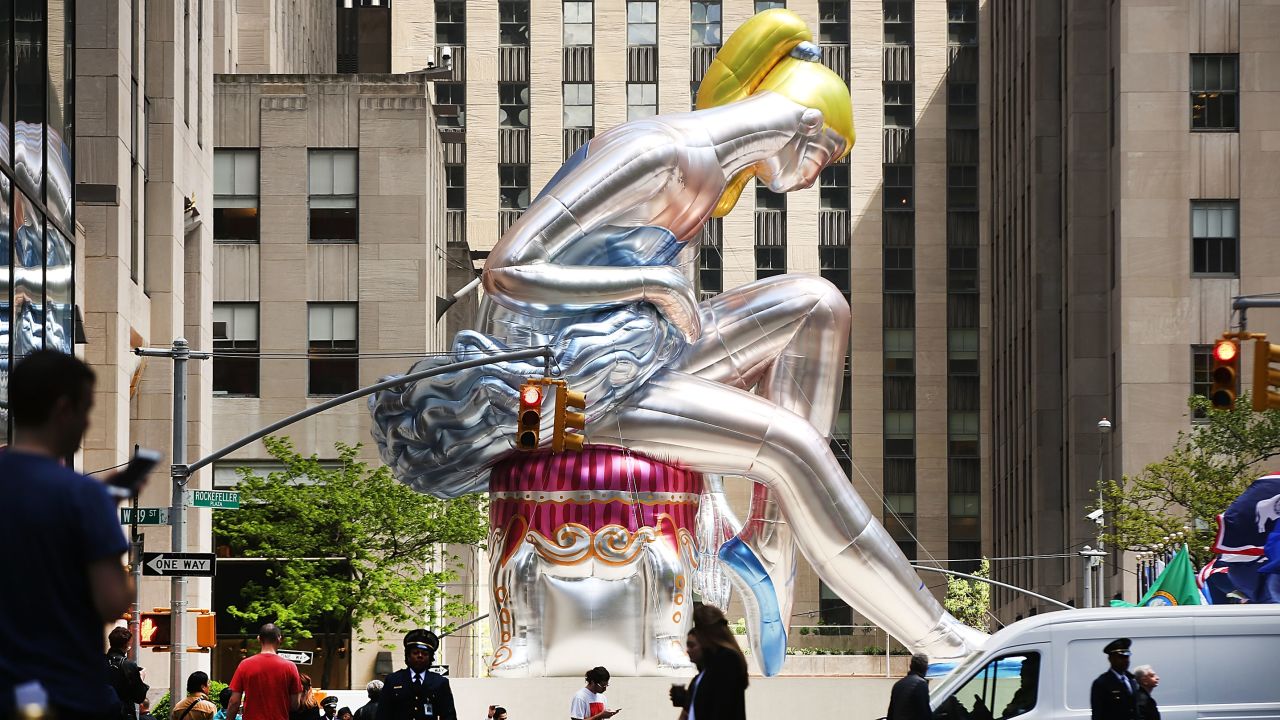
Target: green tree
970	600
347	545
1209	466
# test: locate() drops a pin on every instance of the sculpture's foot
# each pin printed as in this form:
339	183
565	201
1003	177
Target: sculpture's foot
951	640
669	652
510	662
766	628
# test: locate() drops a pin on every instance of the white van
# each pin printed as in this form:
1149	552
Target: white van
1215	662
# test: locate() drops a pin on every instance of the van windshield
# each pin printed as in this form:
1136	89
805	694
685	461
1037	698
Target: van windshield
1005	687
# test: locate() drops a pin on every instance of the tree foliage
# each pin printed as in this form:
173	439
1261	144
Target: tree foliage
970	600
1209	466
349	547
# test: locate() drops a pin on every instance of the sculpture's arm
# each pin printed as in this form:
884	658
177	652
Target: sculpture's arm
622	184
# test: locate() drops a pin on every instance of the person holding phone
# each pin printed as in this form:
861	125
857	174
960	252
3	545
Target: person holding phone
589	703
62	540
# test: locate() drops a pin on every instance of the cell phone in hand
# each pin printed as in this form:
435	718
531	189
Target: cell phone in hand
127	483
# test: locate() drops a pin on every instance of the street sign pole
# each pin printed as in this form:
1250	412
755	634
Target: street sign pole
135	548
177	512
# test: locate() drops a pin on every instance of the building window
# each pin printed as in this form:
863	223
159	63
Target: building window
899	269
332	346
578	24
1201	375
235	347
962	22
578	107
453	97
705	24
898	193
642	100
770	260
513	22
1215	238
762	5
833	265
1214	92
962	351
833	22
513	105
333	192
833	187
710	269
898	22
832	611
451	22
899	351
899	106
513	187
455	187
235	195
962	105
767	199
642	23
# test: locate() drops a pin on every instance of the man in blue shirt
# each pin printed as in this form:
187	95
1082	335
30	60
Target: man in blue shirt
60	547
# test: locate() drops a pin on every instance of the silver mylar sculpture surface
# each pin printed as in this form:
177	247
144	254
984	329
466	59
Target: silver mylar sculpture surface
745	384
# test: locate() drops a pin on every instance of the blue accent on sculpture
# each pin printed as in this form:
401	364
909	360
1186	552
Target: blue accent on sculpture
773	631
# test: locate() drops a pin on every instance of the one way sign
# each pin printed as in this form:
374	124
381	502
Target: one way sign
178	564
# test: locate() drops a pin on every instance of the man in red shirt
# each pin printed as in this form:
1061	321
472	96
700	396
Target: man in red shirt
271	683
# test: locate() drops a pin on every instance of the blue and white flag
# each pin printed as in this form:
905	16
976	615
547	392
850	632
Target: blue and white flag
1248	540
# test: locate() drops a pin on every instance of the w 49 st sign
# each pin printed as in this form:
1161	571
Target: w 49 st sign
171	564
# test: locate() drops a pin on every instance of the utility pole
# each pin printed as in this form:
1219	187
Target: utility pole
1091	560
179	474
1104	429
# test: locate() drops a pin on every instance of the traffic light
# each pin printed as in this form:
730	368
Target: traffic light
570	416
1225	374
155	629
1266	375
529	422
207	630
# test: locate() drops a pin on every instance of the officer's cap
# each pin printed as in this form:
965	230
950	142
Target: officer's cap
422	640
1119	646
329	700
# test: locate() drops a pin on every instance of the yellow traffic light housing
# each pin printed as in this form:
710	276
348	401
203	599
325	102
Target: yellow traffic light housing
570	419
207	630
529	422
155	628
1225	374
1266	375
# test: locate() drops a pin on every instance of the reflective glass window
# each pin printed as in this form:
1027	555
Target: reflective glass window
578	108
333	195
59	330
6	87
28	278
58	148
332	343
29	92
642	23
578	23
5	317
705	24
235	195
642	100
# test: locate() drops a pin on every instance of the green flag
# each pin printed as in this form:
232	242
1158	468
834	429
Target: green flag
1175	586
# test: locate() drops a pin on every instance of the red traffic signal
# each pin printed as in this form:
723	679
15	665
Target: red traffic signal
529	422
1225	374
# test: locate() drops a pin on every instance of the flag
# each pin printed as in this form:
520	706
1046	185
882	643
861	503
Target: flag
1214	583
1176	585
1243	528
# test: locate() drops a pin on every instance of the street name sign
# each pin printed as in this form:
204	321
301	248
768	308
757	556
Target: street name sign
144	516
299	657
171	564
224	499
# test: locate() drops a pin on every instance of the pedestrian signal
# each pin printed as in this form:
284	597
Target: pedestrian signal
1225	374
155	629
1266	375
529	423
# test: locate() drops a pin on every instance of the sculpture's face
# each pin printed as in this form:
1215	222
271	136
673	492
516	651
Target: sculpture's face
801	160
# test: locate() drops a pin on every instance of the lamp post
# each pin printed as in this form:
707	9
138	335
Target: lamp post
1104	429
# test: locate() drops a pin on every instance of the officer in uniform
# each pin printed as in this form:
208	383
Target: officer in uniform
416	693
1114	694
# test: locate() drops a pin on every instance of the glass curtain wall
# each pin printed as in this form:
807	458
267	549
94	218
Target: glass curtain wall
37	212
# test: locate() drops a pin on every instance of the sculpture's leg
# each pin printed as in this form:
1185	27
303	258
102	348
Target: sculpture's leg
666	571
787	336
709	427
516	628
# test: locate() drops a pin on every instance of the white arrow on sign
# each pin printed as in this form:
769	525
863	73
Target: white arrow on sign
162	564
301	657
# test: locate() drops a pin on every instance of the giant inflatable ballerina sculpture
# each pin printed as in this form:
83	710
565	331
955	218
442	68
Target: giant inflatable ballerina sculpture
595	553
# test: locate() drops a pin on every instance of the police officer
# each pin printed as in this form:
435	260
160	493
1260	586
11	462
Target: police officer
416	693
1114	695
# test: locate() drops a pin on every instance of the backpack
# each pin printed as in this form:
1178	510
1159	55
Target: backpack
126	677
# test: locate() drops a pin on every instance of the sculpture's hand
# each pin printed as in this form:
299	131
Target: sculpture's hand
673	294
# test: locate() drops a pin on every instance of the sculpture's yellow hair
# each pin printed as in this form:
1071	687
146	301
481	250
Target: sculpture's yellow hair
757	57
